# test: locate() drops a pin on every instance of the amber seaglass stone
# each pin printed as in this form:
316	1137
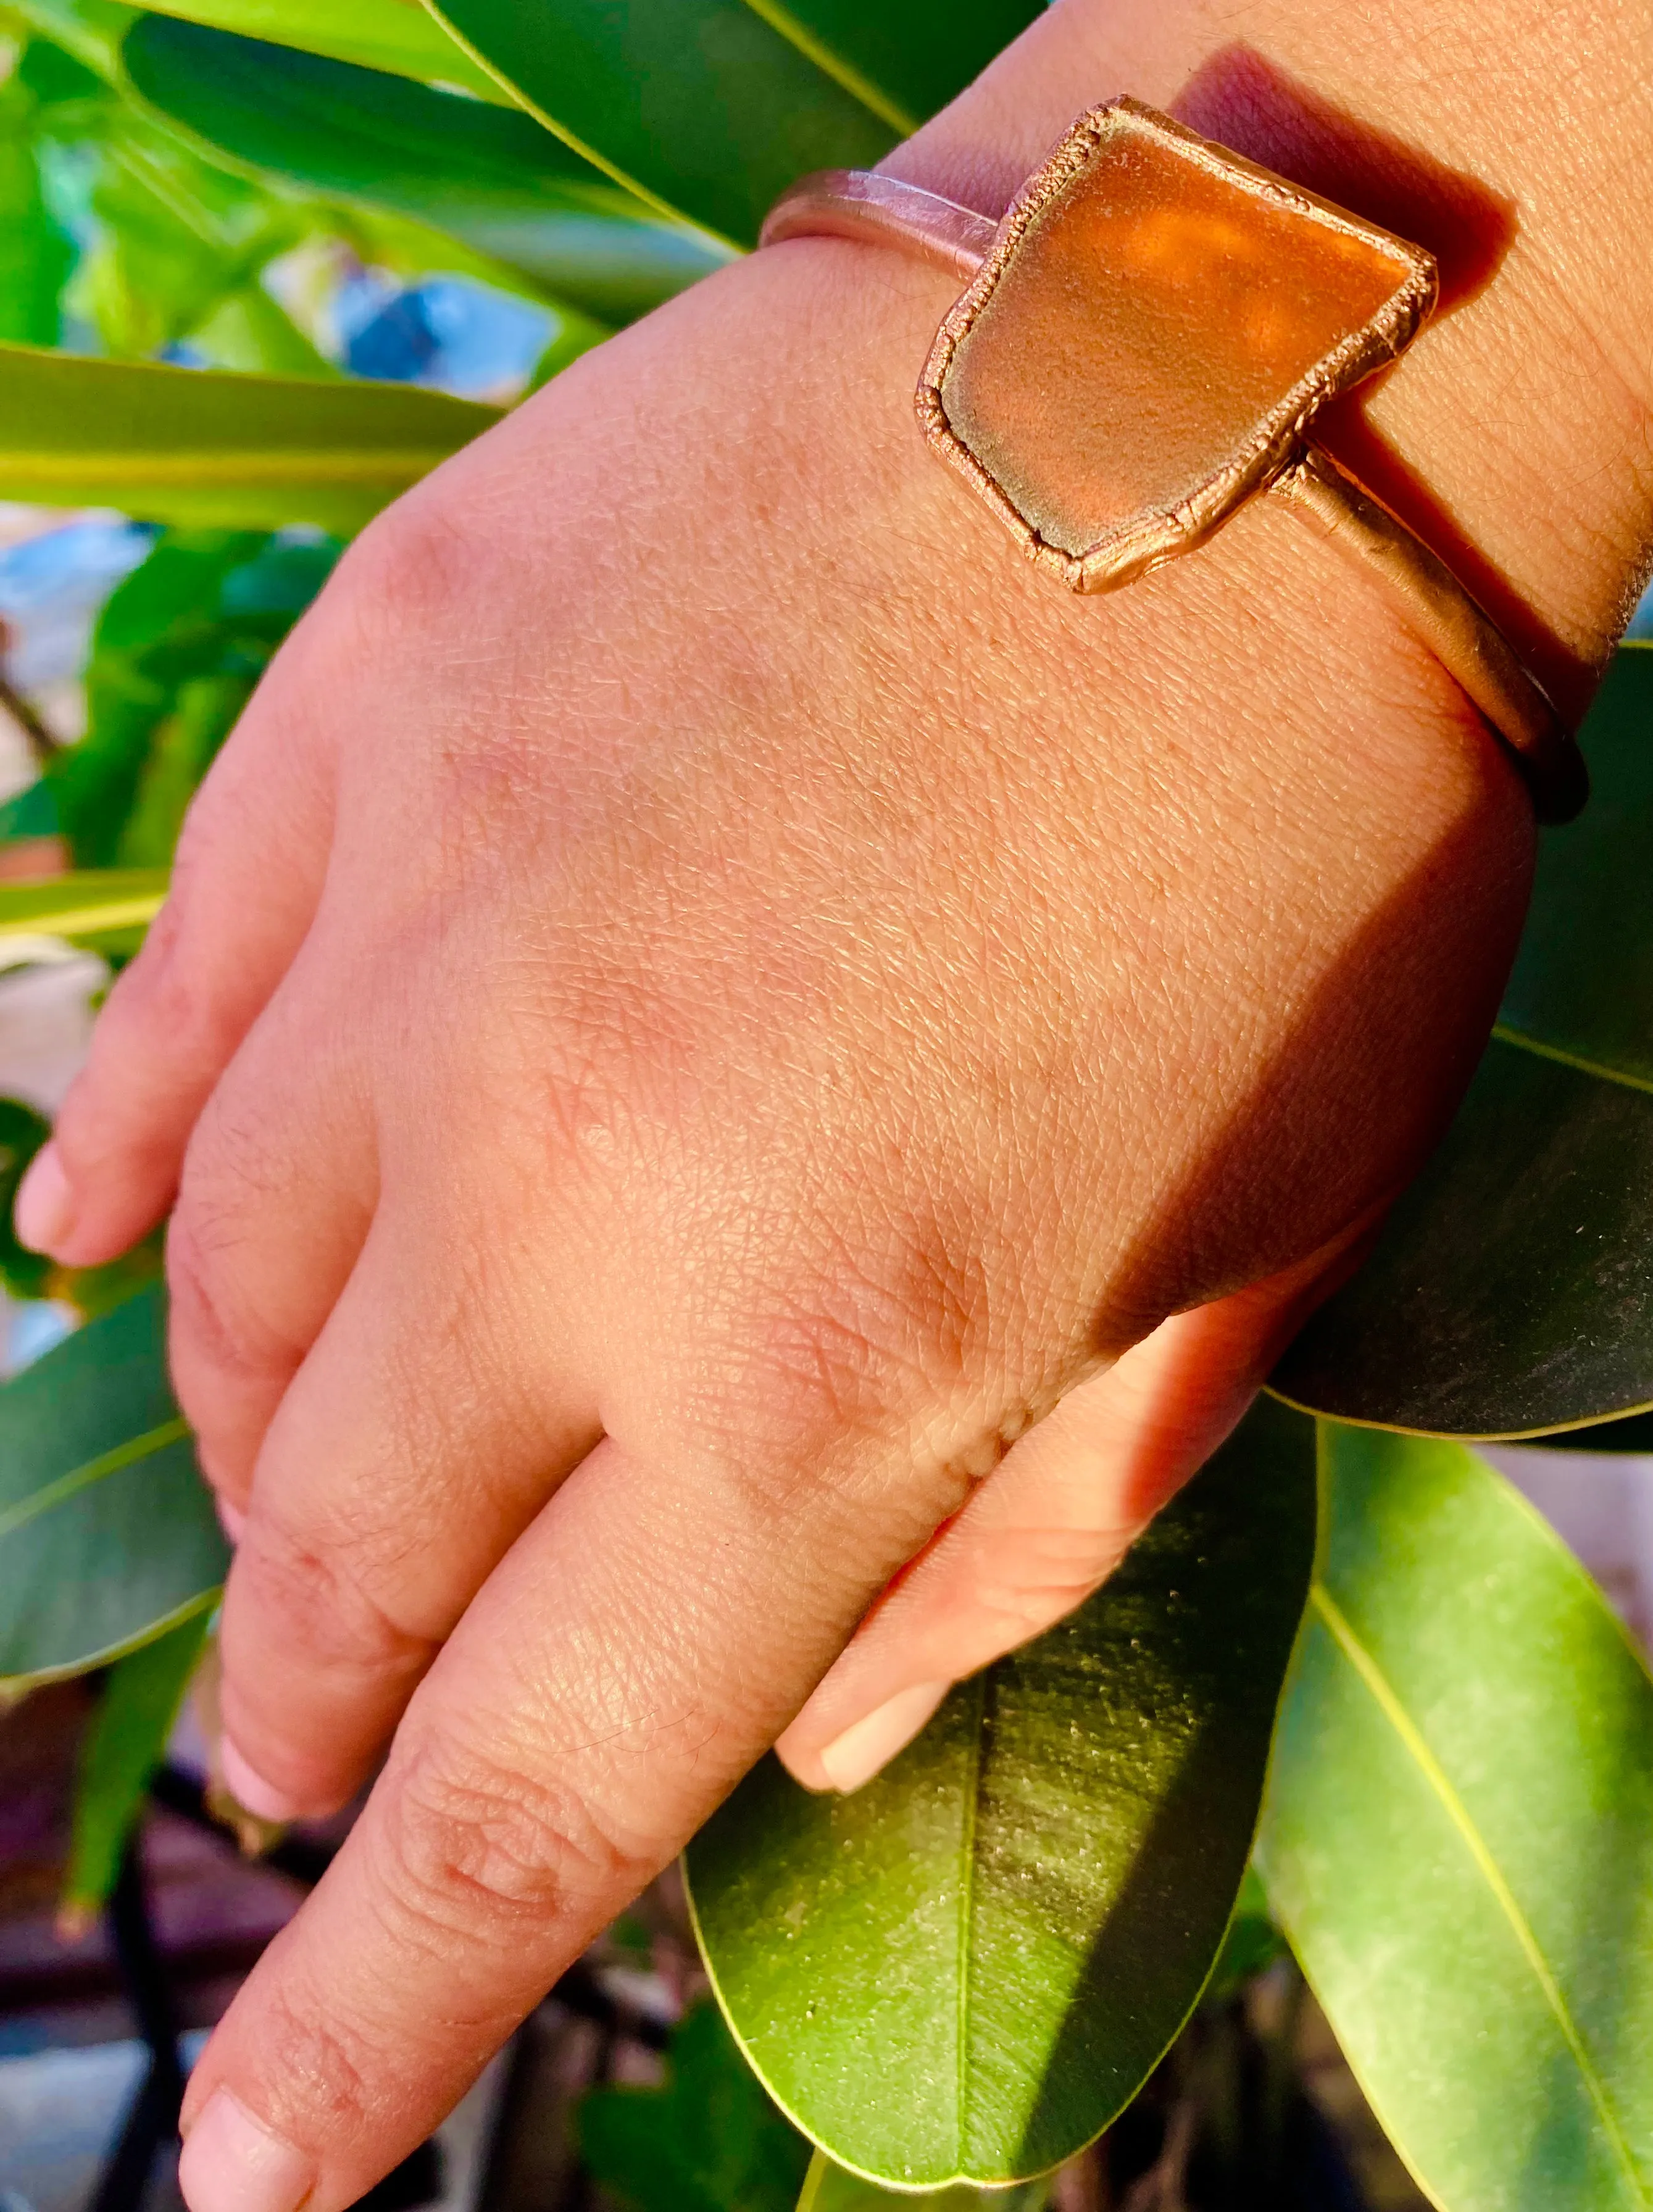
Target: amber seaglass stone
1142	349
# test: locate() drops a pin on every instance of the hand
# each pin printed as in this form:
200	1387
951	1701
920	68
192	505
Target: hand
702	1001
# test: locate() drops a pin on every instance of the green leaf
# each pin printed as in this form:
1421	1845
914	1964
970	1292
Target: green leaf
173	234
90	30
964	1971
105	909
36	255
30	814
179	445
175	655
22	1133
1511	1291
1458	1838
709	2140
123	1745
107	1534
491	176
830	2188
396	35
913	60
706	107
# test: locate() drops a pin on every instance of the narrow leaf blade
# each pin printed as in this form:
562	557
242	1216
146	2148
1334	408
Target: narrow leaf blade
382	35
177	444
1458	1838
107	1534
491	176
964	1970
123	1745
105	909
702	107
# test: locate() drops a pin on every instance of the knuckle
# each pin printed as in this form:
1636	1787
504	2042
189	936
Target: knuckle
305	1585
470	1839
214	1311
164	991
407	572
316	2065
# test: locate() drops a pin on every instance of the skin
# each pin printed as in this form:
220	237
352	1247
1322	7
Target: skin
705	1000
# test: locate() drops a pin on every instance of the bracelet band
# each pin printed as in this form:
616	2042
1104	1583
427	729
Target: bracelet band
871	208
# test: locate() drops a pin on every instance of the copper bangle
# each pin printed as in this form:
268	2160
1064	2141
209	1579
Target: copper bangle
1141	344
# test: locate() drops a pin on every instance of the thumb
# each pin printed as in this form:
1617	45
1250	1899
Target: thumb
1052	1521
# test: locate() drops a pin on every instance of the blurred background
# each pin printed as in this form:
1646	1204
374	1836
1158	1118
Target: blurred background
126	651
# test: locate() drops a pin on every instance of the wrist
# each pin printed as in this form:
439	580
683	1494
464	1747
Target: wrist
1515	437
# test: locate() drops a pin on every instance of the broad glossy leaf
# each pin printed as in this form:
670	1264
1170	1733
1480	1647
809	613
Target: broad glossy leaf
964	1970
179	445
713	106
830	2188
105	909
107	1534
1512	1288
124	1745
490	176
398	35
914	58
1458	1838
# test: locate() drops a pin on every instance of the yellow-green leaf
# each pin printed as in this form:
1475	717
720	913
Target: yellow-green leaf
180	445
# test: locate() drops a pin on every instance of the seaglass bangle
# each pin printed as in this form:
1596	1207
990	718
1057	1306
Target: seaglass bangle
1143	342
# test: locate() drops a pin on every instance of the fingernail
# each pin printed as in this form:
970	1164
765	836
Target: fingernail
869	1743
249	1789
232	2163
232	1520
43	1211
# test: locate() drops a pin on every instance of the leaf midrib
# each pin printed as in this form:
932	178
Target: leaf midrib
967	1913
64	1486
1388	1701
778	19
1520	1042
844	74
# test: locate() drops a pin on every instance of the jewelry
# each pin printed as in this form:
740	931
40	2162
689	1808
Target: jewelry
1143	342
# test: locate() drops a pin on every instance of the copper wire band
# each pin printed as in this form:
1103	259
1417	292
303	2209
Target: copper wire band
875	210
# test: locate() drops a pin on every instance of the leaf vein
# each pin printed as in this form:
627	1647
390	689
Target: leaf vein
94	1470
1383	1693
1521	1042
967	1915
786	25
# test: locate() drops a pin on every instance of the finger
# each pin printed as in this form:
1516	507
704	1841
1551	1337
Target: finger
576	1729
1049	1525
245	884
277	1191
425	1427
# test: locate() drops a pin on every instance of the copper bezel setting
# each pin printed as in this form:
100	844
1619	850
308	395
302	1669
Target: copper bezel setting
1152	536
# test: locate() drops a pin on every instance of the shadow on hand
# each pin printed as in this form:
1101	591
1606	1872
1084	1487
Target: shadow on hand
1245	101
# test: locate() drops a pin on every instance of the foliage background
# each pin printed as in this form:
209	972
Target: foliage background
210	253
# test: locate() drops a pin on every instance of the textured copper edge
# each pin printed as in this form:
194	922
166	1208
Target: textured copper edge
1438	610
1146	543
1428	597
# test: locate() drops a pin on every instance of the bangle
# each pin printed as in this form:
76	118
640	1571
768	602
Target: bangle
1143	342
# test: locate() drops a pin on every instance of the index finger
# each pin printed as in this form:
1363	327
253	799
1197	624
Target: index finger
644	1641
